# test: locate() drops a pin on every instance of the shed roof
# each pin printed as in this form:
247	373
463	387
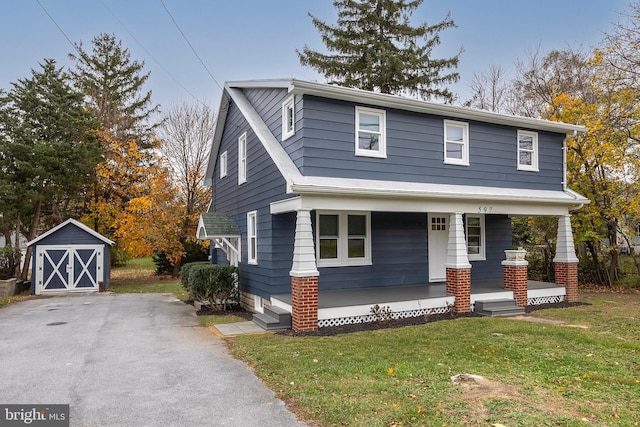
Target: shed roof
75	223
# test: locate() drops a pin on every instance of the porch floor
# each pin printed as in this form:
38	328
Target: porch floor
370	296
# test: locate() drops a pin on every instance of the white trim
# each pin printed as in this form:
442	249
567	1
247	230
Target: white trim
283	162
482	255
288	106
464	160
343	259
411	104
78	224
533	167
223	165
390	203
242	159
252	234
258	304
381	134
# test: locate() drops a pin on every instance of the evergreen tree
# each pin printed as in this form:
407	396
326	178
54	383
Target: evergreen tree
113	86
374	47
49	149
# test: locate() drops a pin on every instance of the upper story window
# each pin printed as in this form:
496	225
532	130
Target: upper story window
343	239
474	232
527	151
242	159
288	118
252	237
223	164
371	139
456	143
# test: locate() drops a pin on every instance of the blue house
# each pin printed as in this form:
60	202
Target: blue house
332	200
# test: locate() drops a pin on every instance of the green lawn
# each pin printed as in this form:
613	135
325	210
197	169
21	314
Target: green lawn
138	276
541	374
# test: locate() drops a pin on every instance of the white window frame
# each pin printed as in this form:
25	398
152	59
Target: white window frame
534	151
223	165
381	152
343	259
464	161
252	237
288	111
482	250
242	159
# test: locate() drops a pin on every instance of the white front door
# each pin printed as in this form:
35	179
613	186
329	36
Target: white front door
438	236
64	268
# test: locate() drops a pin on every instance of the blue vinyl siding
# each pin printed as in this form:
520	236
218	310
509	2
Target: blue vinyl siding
498	239
264	185
415	150
399	255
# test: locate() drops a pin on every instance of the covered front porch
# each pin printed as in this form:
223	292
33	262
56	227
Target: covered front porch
348	306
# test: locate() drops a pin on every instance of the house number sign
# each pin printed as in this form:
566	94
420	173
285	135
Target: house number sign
485	209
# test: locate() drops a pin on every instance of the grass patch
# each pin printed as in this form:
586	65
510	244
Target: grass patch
541	375
138	276
5	301
219	319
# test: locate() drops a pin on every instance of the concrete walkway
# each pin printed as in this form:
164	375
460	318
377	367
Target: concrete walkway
128	360
238	328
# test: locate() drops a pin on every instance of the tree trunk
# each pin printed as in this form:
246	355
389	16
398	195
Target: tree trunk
35	220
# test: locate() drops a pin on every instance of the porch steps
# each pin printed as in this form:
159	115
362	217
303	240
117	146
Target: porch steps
498	307
273	319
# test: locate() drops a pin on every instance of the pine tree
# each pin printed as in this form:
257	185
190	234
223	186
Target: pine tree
49	149
374	47
113	86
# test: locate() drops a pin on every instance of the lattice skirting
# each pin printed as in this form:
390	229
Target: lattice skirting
369	318
546	300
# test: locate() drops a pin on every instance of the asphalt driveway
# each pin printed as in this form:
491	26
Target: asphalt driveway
128	360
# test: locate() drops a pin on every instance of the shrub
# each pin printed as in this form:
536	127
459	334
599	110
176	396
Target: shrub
217	284
194	251
9	261
119	256
184	272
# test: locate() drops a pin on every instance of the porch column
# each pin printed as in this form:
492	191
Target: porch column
515	275
566	261
304	276
457	266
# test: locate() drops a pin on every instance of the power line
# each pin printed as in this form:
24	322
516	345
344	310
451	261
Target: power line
152	57
190	45
58	26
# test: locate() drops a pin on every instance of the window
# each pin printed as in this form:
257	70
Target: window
343	239
258	304
252	238
474	231
371	132
527	151
223	164
242	159
456	143
288	118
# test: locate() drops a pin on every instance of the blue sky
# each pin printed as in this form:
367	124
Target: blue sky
256	39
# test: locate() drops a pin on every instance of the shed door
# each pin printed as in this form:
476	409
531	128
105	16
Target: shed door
69	268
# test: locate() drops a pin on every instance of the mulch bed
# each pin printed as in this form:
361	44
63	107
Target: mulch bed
233	310
236	310
409	321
